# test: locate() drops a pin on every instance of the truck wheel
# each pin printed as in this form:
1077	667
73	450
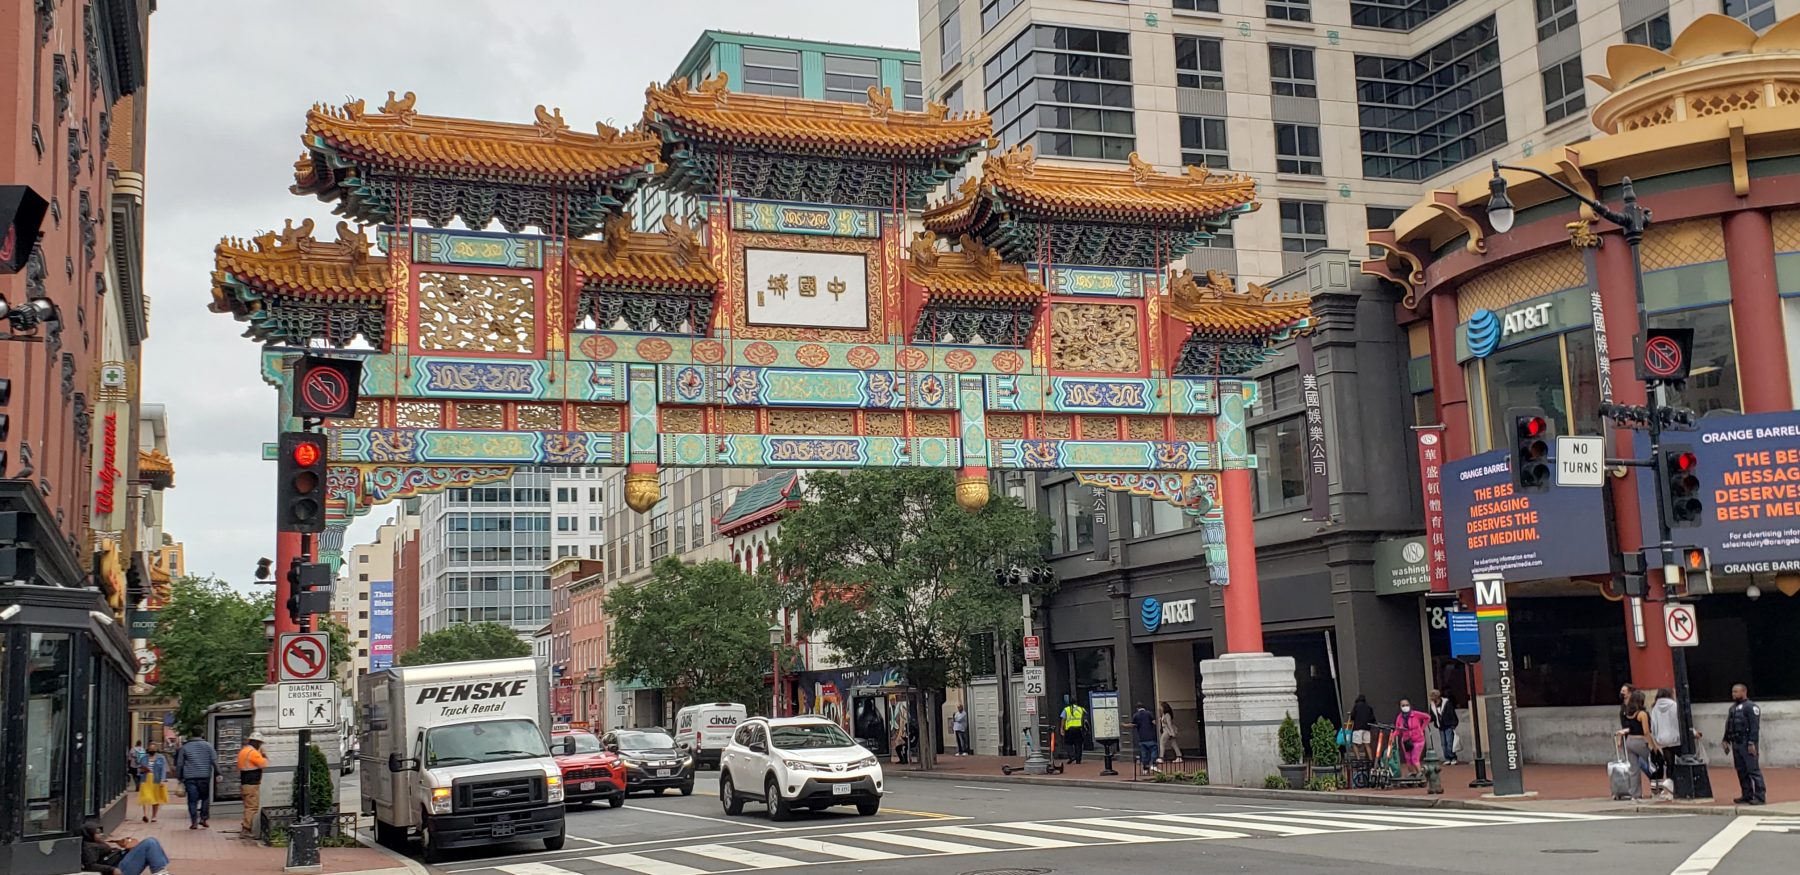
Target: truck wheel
556	842
430	844
778	807
728	795
389	836
617	800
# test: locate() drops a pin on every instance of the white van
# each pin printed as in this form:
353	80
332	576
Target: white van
703	731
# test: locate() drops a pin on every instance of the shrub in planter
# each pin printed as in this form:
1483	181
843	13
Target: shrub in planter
1288	742
319	789
1276	782
1325	754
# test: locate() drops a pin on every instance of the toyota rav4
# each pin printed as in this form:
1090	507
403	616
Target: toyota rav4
797	762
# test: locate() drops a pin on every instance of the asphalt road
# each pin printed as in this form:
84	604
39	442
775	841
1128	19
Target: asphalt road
940	827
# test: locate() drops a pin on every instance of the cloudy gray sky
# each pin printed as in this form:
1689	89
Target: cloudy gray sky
230	82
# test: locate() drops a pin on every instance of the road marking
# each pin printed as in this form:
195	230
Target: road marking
928	815
645	865
595	842
532	869
575	854
913	841
1187	831
1308	819
1708	856
1118	810
1277	828
1062	827
988	789
742	856
761	826
994	835
830	849
1424	818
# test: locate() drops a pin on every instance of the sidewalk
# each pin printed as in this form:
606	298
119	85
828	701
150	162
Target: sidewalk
219	850
1558	787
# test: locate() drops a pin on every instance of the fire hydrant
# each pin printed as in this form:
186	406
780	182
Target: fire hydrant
1434	785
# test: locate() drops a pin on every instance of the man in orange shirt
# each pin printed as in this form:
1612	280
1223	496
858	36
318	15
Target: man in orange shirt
250	763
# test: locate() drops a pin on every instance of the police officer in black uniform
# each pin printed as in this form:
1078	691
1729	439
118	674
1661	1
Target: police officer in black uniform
1743	728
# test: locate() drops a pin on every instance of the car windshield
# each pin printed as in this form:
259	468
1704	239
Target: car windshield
485	742
644	740
809	736
585	742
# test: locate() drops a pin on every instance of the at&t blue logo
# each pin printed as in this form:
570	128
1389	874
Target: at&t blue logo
1483	332
1152	614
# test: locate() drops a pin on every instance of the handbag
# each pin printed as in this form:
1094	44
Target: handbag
1343	736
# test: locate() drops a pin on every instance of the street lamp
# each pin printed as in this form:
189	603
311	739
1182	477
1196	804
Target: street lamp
777	635
587	695
269	628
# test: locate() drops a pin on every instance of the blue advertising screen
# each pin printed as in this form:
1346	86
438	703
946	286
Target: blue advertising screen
1524	536
381	625
1749	470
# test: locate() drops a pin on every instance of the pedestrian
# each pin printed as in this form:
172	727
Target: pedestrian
1143	728
1665	730
1443	714
134	762
1635	734
153	794
1362	721
250	763
1074	729
1165	735
959	724
1410	731
123	857
195	763
1743	729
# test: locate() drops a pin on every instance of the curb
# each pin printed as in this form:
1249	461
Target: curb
411	866
1209	790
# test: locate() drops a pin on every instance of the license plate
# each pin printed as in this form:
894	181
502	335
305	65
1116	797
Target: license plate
840	789
502	829
587	785
663	773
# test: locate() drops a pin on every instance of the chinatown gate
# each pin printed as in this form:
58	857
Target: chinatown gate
818	315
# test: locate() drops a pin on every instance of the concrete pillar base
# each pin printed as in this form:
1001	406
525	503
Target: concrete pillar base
1246	697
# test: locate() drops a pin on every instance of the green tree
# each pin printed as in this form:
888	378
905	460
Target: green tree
699	631
886	564
467	642
213	647
320	794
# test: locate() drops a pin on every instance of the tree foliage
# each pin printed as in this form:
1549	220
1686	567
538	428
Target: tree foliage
467	642
213	647
895	573
699	631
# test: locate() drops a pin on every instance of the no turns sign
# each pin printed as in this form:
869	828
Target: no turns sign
1681	624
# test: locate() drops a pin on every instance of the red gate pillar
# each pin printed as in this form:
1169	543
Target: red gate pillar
1243	598
1756	312
287	548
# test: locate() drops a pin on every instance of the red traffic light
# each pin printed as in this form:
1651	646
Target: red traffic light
306	455
1532	426
1683	462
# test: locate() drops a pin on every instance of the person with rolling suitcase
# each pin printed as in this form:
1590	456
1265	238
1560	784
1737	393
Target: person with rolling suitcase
1635	743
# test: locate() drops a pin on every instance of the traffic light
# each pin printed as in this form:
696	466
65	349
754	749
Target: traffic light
1532	435
300	483
1680	472
293	599
1696	571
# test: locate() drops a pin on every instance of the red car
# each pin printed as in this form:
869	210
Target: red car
590	773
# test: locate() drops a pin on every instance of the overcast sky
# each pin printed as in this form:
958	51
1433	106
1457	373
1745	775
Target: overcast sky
230	82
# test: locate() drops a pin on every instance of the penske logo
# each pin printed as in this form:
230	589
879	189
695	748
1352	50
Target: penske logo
475	692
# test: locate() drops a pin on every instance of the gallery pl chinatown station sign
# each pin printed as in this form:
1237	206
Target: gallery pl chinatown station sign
1749	470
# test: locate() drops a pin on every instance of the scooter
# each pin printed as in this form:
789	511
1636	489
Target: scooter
1054	767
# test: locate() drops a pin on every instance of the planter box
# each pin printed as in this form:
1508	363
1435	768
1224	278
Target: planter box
1295	774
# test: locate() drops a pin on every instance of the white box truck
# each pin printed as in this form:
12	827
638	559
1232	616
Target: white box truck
457	753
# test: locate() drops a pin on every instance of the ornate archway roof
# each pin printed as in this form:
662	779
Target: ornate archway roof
156	468
626	258
1217	308
1717	65
292	288
971	273
1123	217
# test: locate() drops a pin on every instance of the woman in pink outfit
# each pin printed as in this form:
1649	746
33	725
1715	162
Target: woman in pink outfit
1410	729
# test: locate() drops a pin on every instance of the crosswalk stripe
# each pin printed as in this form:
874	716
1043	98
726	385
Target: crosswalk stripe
1063	827
994	835
918	841
1285	829
830	849
1257	820
740	856
1434	818
1192	832
533	869
645	865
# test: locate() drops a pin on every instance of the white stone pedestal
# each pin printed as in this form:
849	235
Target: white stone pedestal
1247	695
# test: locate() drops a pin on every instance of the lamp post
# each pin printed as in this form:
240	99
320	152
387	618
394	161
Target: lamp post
587	695
777	635
1632	220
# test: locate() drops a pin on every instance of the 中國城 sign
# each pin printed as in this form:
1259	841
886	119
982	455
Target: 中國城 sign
1749	469
1489	527
803	289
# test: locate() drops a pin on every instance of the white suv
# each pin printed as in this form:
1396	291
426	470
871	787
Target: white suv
797	762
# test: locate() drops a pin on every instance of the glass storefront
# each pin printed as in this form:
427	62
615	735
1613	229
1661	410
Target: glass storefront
47	710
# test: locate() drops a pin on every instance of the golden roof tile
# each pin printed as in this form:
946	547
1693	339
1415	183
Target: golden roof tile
292	261
1133	194
975	272
872	128
156	467
1218	308
671	258
547	148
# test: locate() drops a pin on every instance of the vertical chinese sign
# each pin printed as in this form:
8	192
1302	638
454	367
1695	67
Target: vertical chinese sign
1431	464
381	625
1102	533
1317	472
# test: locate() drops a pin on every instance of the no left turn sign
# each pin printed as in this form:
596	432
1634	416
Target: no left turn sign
1681	624
304	656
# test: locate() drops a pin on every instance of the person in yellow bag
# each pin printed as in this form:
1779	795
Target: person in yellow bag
1074	728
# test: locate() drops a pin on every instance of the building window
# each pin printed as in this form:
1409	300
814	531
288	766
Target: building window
1379	218
1713	381
1396	14
1564	93
1302	226
566	523
1276	392
994	10
565	493
1291	71
1423	115
593	495
49	669
949	34
1756	13
1554	17
912	82
1203	142
953	99
1281	474
771	71
1653	32
1199	63
1066	90
848	79
1297	149
699	528
1289	10
1152	517
680	533
1198	5
359	577
564	551
1071	517
594	523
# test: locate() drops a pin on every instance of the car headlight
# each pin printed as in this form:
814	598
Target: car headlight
629	764
555	787
802	766
440	800
687	760
865	763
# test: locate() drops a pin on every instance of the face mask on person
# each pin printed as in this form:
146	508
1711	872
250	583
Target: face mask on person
1406	709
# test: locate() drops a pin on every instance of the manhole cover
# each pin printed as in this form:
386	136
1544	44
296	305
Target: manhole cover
1571	851
1007	872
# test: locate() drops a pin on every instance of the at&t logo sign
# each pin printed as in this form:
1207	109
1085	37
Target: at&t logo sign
1156	613
1484	333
